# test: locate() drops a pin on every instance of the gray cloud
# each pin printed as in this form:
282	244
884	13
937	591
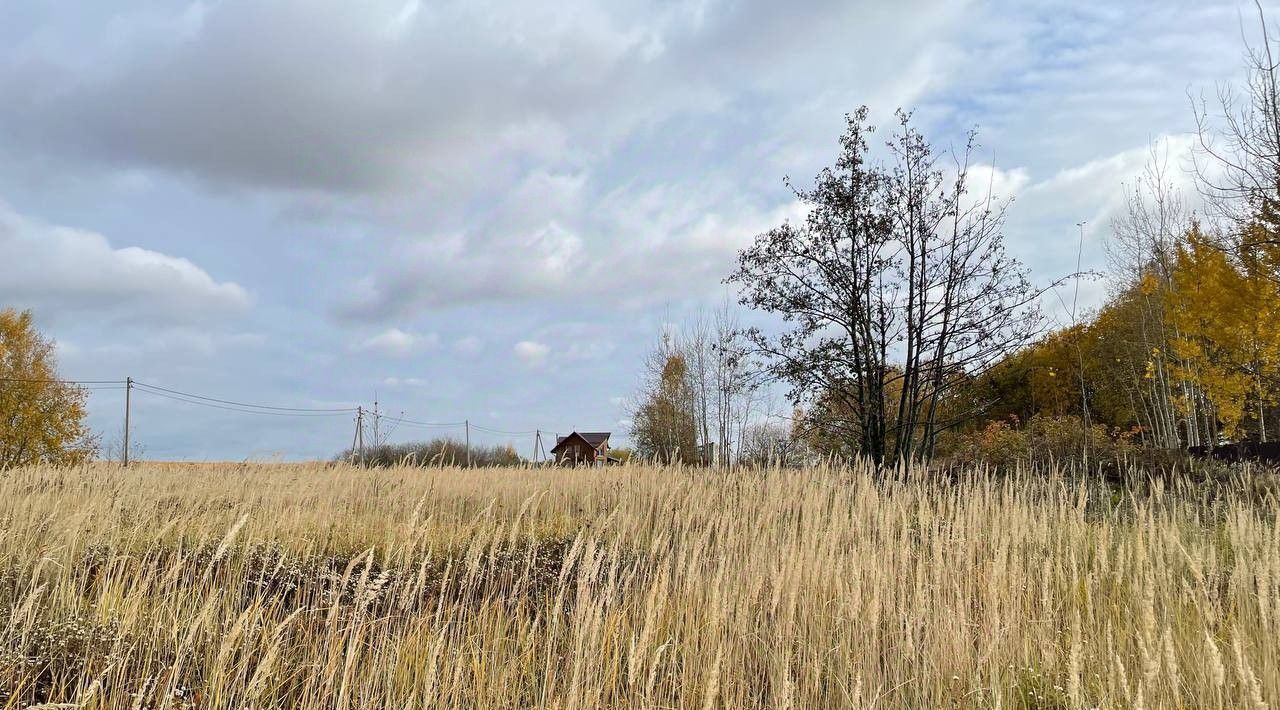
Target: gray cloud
493	152
331	96
335	96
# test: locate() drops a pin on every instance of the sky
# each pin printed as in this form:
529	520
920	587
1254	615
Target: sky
487	210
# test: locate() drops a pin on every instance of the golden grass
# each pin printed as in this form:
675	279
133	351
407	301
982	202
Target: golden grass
259	586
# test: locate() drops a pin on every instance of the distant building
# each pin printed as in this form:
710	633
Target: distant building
588	447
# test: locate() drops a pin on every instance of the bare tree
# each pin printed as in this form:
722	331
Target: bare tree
1146	236
897	281
699	353
719	383
1237	161
1142	251
734	385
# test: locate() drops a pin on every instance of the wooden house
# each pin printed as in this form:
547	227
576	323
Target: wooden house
588	447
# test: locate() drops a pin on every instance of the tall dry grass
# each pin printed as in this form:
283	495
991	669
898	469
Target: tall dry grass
285	587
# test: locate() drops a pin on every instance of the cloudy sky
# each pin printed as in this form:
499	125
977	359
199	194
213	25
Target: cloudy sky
485	210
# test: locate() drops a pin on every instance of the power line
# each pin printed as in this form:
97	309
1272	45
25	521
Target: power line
251	408
500	431
62	382
339	410
263	412
248	407
411	422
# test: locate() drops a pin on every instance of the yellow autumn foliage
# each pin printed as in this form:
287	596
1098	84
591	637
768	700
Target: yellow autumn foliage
41	418
1224	310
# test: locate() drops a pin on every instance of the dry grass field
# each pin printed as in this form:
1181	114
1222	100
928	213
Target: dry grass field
259	586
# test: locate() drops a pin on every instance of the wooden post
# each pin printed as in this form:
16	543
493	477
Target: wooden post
355	436
360	431
467	423
128	390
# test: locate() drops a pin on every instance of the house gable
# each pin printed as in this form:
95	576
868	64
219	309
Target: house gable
581	446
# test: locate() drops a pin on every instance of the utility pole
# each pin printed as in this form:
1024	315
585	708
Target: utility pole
467	423
1084	392
128	390
537	444
360	432
355	436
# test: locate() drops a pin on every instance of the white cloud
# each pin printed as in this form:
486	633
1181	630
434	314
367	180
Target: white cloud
531	352
394	342
997	182
61	270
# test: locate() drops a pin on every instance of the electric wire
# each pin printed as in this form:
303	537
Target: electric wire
531	432
63	382
412	422
245	411
252	408
332	410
